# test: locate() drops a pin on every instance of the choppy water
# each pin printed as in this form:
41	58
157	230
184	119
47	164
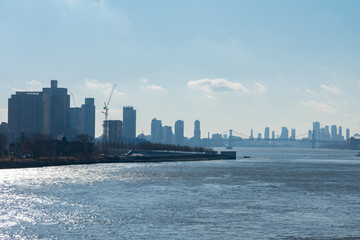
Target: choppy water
277	194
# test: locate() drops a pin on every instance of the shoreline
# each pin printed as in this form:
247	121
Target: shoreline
144	157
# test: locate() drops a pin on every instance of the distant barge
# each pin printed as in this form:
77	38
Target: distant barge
130	157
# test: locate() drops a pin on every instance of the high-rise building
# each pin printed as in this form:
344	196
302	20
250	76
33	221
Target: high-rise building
75	121
251	134
347	134
113	131
325	134
156	131
284	133
259	136
273	135
316	129
267	133
88	117
129	118
56	110
334	133
25	114
197	131
179	132
82	120
167	135
293	134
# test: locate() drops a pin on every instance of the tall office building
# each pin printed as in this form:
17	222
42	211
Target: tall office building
113	131
156	131
129	118
25	114
56	110
179	132
267	133
316	129
284	133
273	135
197	131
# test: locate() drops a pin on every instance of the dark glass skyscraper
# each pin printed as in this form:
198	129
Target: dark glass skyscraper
129	119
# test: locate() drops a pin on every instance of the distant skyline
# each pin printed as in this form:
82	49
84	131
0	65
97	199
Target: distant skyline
238	65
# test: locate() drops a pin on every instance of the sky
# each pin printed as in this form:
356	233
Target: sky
237	64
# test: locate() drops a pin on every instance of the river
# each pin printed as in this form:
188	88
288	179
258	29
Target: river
276	194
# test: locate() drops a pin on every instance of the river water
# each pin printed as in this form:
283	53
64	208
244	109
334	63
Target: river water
276	194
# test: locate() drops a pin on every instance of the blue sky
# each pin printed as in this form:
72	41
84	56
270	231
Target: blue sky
231	64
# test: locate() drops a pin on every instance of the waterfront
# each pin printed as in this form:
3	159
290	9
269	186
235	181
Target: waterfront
276	194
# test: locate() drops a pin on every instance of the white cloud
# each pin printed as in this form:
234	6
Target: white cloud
34	83
155	88
331	89
216	85
95	84
310	92
151	87
319	107
260	88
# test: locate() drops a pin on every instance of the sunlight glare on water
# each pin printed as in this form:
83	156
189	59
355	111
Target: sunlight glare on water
277	194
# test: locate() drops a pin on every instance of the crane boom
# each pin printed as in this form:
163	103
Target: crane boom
106	104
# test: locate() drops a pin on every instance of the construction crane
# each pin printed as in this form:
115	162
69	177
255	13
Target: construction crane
106	104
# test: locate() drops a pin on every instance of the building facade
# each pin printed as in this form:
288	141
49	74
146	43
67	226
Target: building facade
25	114
56	110
179	132
129	121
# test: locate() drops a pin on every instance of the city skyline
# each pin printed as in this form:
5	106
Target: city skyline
238	65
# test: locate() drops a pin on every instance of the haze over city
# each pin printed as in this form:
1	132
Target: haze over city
233	65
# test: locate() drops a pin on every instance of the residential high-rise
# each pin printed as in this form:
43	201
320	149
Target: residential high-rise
113	131
25	114
284	133
156	131
293	134
82	120
75	121
267	133
88	117
347	134
179	132
56	110
167	135
334	133
316	129
129	118
197	131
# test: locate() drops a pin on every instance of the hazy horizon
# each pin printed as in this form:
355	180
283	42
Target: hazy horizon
238	65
